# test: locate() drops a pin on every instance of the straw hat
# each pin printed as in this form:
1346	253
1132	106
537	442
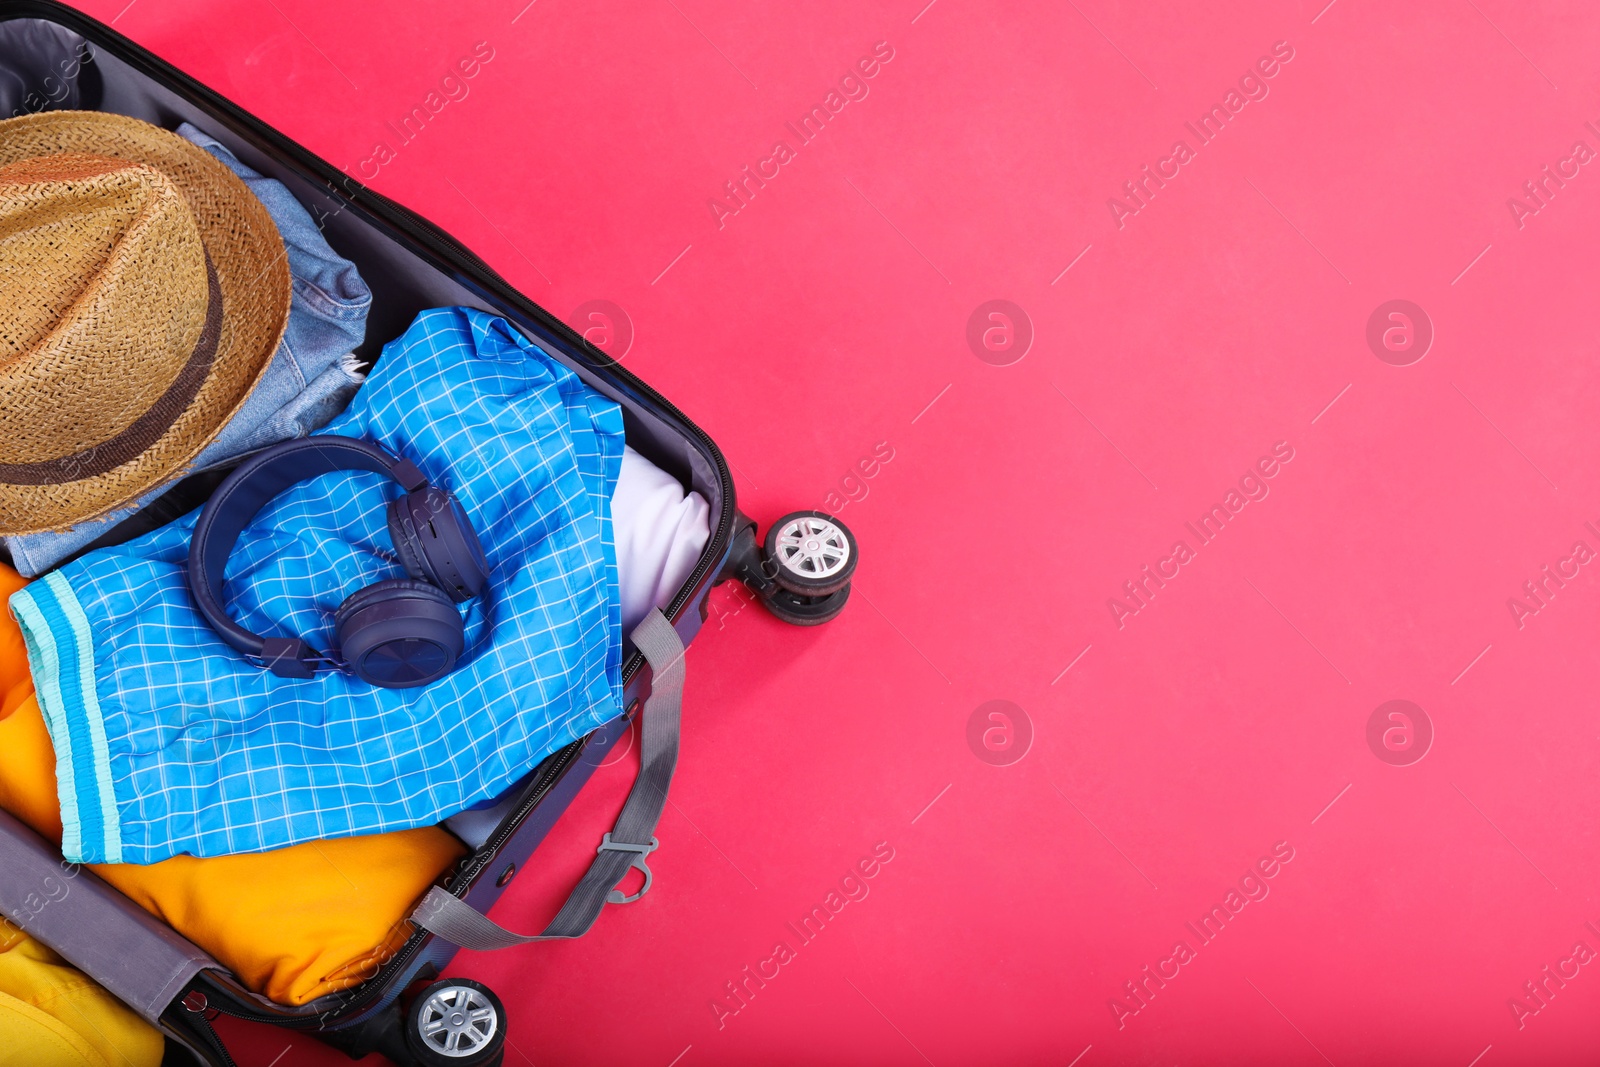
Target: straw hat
143	291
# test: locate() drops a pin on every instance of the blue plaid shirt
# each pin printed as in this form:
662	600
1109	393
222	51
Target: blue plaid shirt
167	741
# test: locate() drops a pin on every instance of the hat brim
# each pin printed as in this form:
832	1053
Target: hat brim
252	269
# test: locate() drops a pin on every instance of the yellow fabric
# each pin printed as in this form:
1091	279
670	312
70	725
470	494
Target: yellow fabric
293	924
52	1016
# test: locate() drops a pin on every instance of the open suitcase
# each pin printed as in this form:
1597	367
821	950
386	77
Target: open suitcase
410	265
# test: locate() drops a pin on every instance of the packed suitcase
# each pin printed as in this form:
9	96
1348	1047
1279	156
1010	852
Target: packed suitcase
523	540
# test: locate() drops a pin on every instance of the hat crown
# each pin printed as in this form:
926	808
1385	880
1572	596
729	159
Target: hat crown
66	214
104	288
143	292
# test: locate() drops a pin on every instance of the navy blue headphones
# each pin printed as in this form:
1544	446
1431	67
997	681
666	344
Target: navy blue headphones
397	633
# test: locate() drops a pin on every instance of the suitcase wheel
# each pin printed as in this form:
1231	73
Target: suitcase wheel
457	1023
811	554
797	610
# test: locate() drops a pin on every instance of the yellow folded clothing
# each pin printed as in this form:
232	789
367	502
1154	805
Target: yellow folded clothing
52	1016
294	924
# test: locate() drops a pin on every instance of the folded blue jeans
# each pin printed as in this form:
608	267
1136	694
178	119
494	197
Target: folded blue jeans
311	378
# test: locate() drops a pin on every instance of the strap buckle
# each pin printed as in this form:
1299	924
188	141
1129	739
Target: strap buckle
616	896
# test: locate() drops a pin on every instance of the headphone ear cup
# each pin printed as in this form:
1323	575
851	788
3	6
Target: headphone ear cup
403	534
400	633
437	543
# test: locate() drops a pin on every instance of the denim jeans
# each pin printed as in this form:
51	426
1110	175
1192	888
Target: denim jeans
311	378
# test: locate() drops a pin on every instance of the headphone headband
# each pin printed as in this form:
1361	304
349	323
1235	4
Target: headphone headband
241	497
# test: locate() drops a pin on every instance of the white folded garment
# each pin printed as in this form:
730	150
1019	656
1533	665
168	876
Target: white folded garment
659	532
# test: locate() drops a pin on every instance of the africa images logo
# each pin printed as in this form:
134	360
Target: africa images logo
1139	592
1253	887
1208	127
742	189
853	887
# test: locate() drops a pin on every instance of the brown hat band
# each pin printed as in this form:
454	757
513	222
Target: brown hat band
148	427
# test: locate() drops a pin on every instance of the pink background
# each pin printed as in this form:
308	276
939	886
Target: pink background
1227	314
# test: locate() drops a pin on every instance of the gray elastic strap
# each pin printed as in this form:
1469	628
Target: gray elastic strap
141	960
630	841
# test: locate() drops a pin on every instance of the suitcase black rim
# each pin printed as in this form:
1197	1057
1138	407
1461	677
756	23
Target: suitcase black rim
425	239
